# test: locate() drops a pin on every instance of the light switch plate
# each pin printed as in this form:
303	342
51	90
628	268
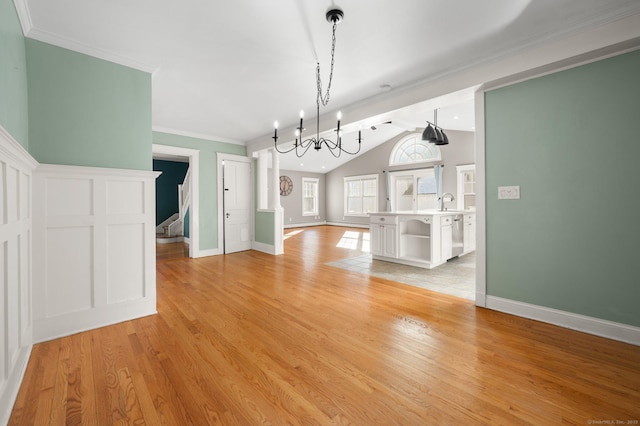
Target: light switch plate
508	192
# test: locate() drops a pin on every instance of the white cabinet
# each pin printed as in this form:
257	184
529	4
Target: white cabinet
466	187
415	239
469	232
446	237
410	238
384	236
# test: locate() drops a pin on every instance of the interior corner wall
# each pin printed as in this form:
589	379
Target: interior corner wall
570	141
208	179
85	111
13	76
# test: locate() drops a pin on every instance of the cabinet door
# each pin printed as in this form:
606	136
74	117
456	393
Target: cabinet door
390	248
469	236
377	239
446	234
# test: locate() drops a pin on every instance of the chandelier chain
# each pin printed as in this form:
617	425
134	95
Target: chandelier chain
320	98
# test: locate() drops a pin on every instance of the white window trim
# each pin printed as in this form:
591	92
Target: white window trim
360	177
315	181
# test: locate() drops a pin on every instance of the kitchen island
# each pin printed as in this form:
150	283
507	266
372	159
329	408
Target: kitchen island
425	239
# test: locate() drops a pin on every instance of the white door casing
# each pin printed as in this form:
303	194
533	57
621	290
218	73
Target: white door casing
194	209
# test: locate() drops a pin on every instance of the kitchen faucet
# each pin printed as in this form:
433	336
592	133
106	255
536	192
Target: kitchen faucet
442	200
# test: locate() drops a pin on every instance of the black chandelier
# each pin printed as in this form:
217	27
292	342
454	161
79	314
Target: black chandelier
435	134
301	146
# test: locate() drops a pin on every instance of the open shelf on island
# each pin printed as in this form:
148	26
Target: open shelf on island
416	236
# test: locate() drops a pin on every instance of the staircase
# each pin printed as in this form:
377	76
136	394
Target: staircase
171	230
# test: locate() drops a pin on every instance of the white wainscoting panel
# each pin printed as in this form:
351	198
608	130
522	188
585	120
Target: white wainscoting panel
94	248
16	325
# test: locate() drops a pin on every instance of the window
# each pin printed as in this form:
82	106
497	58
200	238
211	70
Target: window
412	149
414	190
309	196
360	195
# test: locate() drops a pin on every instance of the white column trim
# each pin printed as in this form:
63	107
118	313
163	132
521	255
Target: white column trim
481	212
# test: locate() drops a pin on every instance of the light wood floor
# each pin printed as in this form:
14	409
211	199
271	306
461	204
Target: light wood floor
249	338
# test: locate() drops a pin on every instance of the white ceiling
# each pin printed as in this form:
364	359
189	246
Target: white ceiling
227	70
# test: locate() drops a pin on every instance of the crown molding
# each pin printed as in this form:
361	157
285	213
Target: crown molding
196	135
22	9
76	46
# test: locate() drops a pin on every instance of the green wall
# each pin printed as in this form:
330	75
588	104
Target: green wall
13	75
265	224
208	179
570	140
85	111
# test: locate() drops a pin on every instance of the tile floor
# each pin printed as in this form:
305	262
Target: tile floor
456	277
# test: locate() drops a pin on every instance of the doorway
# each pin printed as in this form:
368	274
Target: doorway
172	153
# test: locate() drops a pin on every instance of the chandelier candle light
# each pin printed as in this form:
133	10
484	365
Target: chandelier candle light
301	146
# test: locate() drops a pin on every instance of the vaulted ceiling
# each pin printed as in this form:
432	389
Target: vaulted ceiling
227	70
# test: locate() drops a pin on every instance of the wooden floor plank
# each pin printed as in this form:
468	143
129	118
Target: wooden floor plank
250	338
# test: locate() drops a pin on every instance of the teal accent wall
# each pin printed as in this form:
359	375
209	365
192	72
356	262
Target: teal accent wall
208	179
173	174
571	141
13	76
85	111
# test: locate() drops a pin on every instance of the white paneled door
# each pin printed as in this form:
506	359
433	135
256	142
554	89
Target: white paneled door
237	205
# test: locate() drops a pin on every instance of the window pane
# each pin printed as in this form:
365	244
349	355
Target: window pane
308	204
427	185
414	150
370	188
354	205
404	193
369	204
354	188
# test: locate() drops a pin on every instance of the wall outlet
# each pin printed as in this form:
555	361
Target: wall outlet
508	192
290	219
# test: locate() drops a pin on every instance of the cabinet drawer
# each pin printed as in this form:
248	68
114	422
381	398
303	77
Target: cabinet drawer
446	220
391	220
469	218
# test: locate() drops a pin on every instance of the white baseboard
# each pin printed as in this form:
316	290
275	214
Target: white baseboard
265	248
304	225
599	327
209	252
76	322
349	225
12	385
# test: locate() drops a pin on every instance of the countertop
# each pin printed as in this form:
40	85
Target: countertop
424	212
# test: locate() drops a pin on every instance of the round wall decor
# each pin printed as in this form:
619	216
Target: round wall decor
286	186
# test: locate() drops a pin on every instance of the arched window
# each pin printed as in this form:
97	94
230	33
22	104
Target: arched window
412	149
